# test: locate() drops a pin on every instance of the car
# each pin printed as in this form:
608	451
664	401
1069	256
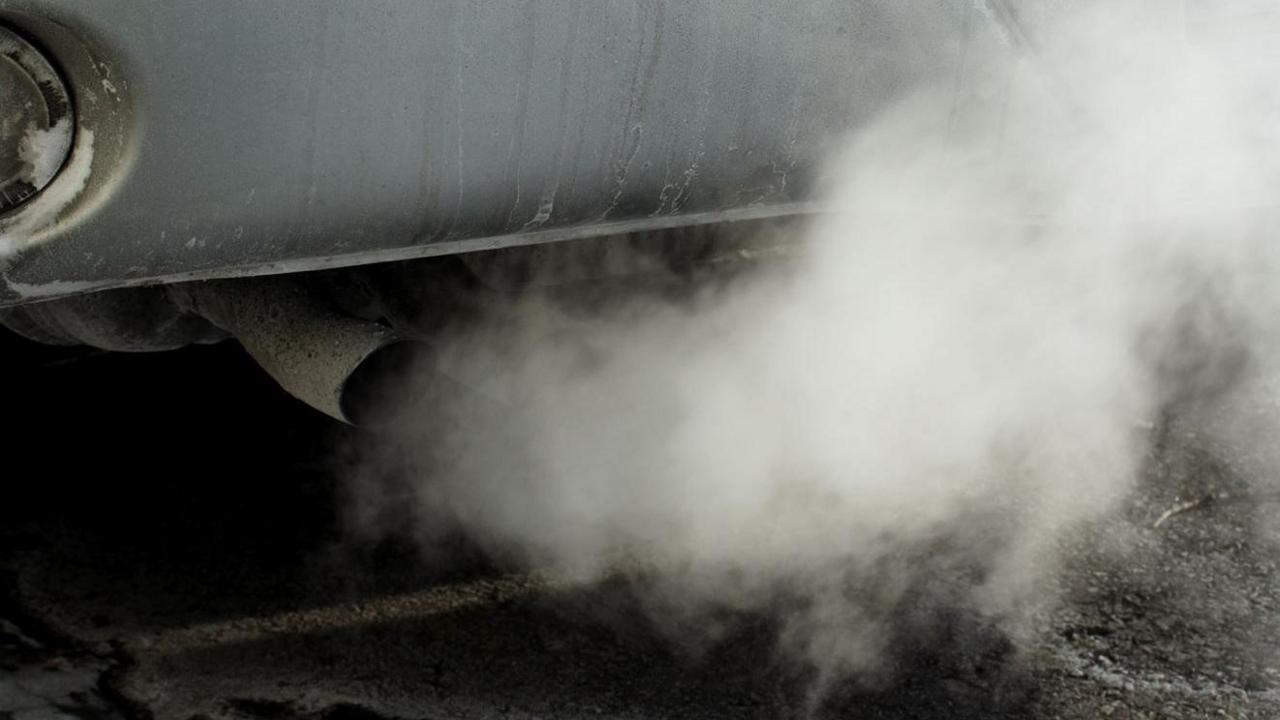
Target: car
184	172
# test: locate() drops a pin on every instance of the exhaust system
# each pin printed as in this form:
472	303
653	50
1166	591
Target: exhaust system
353	369
341	365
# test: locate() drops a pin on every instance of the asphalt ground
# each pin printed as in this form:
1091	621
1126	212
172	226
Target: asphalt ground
173	544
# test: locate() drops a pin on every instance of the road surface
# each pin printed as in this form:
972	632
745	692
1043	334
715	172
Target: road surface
172	545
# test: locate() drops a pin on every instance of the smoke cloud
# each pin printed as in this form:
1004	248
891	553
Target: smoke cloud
967	359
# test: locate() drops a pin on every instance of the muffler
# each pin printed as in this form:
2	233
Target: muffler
356	370
347	366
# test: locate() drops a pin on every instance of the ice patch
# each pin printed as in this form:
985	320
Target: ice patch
25	227
45	151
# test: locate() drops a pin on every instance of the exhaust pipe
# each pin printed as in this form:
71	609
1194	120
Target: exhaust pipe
352	369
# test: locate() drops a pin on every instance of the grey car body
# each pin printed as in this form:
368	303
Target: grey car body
241	137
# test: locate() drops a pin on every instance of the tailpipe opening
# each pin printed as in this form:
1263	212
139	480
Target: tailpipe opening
356	370
385	386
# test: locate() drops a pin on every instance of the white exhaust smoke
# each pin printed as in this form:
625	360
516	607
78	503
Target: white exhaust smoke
965	367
